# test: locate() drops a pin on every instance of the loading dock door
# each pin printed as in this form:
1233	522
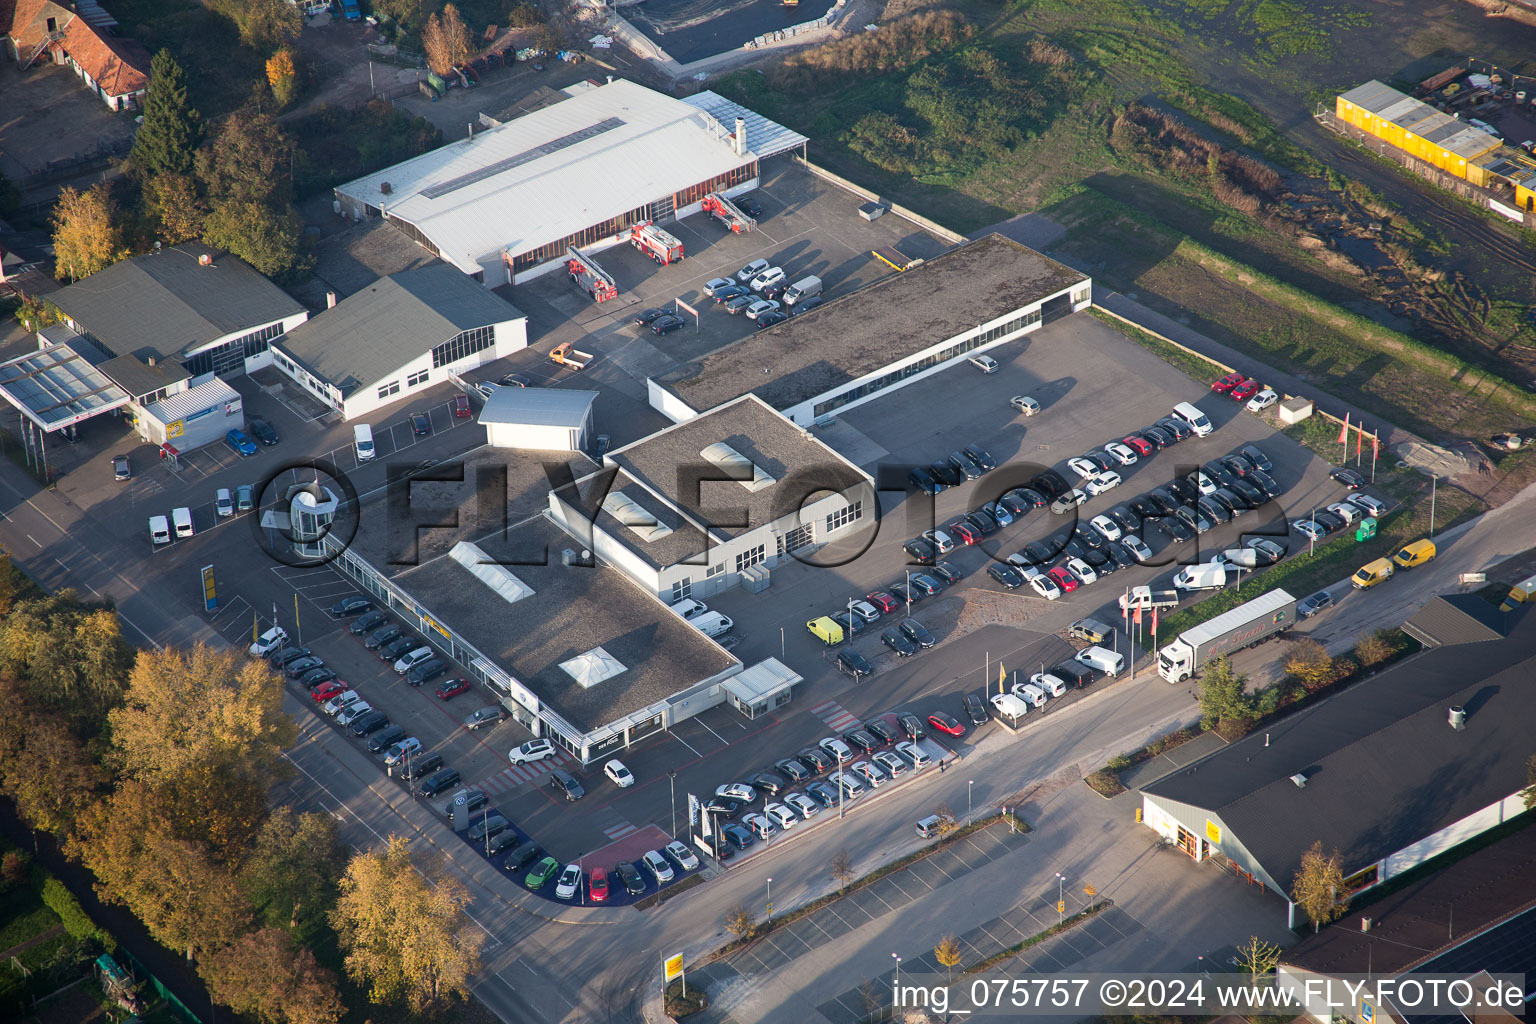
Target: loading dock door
1055	309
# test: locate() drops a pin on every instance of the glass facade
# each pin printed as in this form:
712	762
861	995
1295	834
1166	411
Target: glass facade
751	557
719	183
466	343
844	516
244	347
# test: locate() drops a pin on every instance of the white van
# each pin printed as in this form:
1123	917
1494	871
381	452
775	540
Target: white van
1009	705
1030	694
182	517
362	442
1197	420
1102	659
688	608
1053	686
159	530
1201	576
712	624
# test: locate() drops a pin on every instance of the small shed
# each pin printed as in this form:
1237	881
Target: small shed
542	419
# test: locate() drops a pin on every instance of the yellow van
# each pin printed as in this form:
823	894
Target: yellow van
1417	553
825	630
1371	574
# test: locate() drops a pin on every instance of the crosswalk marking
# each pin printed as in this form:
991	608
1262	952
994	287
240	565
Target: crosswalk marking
835	715
516	774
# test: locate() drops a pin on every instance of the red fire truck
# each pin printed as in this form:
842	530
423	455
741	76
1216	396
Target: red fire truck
660	246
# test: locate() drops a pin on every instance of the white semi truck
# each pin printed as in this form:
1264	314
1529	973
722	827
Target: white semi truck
1243	626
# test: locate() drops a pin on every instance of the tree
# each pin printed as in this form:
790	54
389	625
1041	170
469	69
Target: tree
404	933
72	657
405	13
1257	957
1311	664
266	238
248	162
282	76
1223	696
10	197
291	871
54	780
86	234
842	868
1529	793
446	40
947	953
1377	646
1318	888
264	24
171	130
171	200
739	922
266	975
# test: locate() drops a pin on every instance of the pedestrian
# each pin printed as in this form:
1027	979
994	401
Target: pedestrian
942	766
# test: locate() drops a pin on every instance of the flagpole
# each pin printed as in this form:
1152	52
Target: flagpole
1375	447
1359	442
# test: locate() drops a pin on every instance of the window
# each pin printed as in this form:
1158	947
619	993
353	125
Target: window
245	346
682	588
464	344
392	388
843	516
596	233
715	570
720	183
749	558
1362	879
799	537
419	377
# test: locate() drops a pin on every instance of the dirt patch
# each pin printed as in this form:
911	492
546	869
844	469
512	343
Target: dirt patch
992	608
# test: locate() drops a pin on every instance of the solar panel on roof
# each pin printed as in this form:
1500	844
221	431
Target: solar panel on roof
527	156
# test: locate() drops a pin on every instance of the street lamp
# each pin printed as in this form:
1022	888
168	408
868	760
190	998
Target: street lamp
1061	897
898	974
908	592
969	803
770	897
672	784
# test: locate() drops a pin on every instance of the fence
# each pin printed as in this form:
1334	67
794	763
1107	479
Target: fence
778	36
71	166
177	1006
395	55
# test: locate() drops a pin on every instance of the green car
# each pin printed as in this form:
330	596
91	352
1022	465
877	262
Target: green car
542	872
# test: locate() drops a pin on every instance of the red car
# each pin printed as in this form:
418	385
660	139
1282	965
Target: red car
946	723
597	888
1227	383
325	691
885	602
1142	447
1246	390
450	688
963	533
461	407
1063	579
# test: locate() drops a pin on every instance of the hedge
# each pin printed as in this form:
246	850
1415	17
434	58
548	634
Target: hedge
76	921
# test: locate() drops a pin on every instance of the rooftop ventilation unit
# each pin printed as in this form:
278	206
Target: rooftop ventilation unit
740	468
1457	716
1300	778
627	511
484	568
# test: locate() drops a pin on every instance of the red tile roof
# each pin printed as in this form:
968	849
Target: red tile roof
119	66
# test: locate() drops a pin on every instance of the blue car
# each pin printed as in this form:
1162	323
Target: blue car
241	444
350	8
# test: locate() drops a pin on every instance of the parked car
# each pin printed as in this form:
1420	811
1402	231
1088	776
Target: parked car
367	623
563	782
350	606
630	877
667	323
531	751
486	716
946	723
450	688
916	632
1244	391
1226	382
1263	400
1007	575
120	468
1348	477
1310	606
898	643
240	444
421	426
1024	404
541	873
975	709
854	664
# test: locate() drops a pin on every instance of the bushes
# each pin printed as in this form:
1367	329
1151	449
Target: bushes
76	921
894	47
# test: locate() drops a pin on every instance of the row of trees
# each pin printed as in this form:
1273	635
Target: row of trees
153	769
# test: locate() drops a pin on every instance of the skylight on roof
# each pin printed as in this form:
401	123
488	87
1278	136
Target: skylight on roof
627	511
741	469
497	577
593	667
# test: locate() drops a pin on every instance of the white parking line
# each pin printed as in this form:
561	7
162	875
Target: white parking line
684	743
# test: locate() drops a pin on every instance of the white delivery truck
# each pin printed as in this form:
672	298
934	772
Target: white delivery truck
362	442
1243	626
802	289
159	530
1201	576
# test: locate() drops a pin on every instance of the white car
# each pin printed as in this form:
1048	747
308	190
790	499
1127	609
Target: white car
942	542
851	786
618	774
769	276
269	641
1082	570
760	826
1024	404
1085	468
223	504
737	791
865	772
352	711
684	856
533	750
909	750
751	270
1370	505
1107	527
1138	547
1121	453
986	364
1048	684
893	765
781	816
1030	694
715	284
866	611
807	807
1346	511
569	882
1307	528
657	865
412	659
761	306
1102	482
333	706
839	750
400	751
1045	586
1067	502
1204	483
1263	400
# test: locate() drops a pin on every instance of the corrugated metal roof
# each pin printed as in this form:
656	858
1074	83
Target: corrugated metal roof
540	407
660	146
764	137
1470	142
1373	96
1457	619
194	400
1401	108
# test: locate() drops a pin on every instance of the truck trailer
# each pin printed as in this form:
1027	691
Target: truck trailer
1243	626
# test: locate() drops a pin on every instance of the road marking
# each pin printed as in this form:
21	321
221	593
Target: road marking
685	743
712	732
835	715
32	539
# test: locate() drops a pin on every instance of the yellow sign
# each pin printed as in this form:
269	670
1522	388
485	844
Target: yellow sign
1213	832
672	967
174	428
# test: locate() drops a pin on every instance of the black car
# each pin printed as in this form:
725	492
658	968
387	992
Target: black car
736	835
916	632
1264	482
924	481
368	722
1179	528
1073	672
426	671
488	826
501	842
1184	490
905	594
767	782
1142	507
983	521
350	606
1219	472
912	725
724	805
367	623
314	677
1100	461
1027	496
1256	455
1251	495
822	794
1125	518
945	573
980	457
1165	501
379	637
1201	522
858	739
648	316
815	759
770	318
1175	426
438	781
1108	563
1007	575
1036	552
515	380
524	855
421	767
1016	506
854	663
792	769
420	425
920	551
1156	436
634	881
473	801
975	709
946	474
1123	554
903	647
879	730
1228	500
562	781
806	305
1212	511
288	655
1329	521
395	649
964	466
749	206
666	324
1237	464
300	666
263	432
386	738
1051	484
1349	478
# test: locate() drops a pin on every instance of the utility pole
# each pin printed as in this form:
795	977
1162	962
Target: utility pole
672	784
